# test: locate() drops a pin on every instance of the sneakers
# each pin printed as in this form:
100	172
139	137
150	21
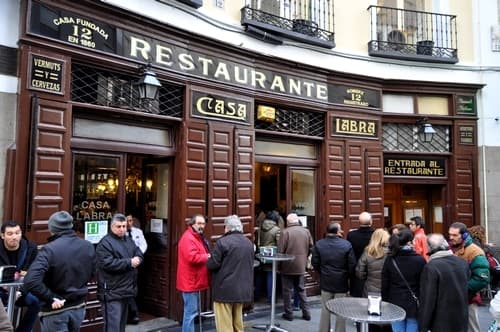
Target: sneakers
288	317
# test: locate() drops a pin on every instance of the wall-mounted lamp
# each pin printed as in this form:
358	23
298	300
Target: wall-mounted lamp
425	132
148	85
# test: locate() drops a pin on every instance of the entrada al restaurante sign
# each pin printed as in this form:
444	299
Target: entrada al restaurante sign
411	166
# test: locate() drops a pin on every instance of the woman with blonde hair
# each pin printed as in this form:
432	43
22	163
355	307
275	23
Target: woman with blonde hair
369	267
370	264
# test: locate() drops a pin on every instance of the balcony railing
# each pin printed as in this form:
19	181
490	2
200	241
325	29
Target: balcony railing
413	35
308	21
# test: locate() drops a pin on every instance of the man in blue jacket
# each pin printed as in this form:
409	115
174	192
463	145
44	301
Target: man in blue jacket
59	275
333	257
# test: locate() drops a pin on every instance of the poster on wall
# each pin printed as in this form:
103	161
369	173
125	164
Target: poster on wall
95	230
156	226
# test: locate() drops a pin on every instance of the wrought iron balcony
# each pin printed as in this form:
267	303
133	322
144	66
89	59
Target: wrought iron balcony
413	35
308	21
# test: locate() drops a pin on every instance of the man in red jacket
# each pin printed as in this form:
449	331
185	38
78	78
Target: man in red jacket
192	272
416	224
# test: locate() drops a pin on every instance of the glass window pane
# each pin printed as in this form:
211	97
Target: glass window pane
95	187
266	148
303	192
433	105
397	104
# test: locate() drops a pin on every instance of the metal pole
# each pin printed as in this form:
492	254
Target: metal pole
199	311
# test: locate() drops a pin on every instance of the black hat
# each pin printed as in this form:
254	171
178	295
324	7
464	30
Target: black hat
60	221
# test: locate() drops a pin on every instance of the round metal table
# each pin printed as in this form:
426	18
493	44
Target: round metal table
356	309
274	259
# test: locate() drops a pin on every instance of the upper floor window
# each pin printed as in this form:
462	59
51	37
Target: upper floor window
309	21
402	29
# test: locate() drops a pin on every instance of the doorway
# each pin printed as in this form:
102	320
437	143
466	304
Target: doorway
137	184
286	189
403	201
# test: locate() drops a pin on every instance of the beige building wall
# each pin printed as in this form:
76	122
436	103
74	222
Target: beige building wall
7	137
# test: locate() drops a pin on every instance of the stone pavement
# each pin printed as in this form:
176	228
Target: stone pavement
261	315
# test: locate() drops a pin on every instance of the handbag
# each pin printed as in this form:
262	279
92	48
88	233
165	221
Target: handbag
415	298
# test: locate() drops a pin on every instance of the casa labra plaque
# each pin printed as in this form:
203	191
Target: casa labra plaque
221	107
354	127
46	74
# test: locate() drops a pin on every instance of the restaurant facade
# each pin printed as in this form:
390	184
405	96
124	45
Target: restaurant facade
228	131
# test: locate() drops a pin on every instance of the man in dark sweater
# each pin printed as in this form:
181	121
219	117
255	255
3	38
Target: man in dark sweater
359	239
18	251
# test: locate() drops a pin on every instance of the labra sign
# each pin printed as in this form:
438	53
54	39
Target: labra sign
411	166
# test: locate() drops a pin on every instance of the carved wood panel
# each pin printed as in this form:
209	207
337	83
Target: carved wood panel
244	177
335	193
464	189
220	176
354	182
49	161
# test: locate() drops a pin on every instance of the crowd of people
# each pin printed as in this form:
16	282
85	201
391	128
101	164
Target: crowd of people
431	278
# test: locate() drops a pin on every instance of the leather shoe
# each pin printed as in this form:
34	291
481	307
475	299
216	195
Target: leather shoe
306	317
287	317
134	320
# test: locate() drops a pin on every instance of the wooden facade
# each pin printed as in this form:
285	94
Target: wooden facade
213	160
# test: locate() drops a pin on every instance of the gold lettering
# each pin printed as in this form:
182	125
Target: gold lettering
139	46
278	82
164	55
322	92
222	70
186	62
237	76
204	64
309	86
294	86
258	77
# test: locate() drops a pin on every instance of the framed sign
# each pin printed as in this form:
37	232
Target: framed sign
466	104
46	74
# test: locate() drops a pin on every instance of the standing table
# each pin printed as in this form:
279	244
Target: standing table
274	259
356	309
12	288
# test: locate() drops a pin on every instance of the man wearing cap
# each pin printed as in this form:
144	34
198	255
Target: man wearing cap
117	261
59	275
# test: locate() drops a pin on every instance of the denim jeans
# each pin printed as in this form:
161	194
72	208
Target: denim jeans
30	315
65	321
407	325
190	310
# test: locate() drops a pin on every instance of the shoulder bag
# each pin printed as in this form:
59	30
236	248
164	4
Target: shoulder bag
406	283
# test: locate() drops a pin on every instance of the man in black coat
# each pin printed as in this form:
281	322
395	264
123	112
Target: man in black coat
117	261
18	251
59	275
333	257
443	289
231	263
359	239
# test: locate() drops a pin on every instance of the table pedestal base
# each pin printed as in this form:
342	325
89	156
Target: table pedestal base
269	328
